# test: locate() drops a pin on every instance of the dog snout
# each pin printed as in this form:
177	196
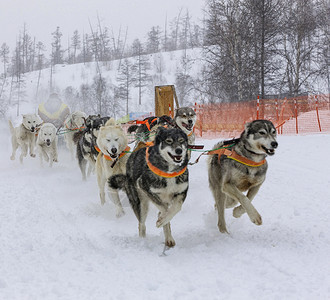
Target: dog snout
178	151
48	140
114	150
190	122
274	144
32	128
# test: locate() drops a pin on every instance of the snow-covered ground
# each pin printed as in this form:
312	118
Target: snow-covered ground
58	242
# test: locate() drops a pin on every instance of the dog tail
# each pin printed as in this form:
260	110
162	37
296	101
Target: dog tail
132	128
11	127
117	182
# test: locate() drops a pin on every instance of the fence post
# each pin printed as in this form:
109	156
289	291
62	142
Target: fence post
258	108
317	113
296	114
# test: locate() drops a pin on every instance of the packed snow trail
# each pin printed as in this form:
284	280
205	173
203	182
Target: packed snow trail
58	242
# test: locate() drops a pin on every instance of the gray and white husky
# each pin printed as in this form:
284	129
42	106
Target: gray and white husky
157	174
242	168
185	119
47	144
73	123
24	136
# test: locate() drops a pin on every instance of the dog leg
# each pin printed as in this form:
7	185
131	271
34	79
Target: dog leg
101	180
144	207
169	241
15	147
236	194
220	201
24	148
114	196
82	166
166	216
239	210
32	145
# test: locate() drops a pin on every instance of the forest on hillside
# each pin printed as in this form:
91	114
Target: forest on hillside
249	47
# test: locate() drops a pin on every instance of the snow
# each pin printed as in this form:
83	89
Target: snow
58	242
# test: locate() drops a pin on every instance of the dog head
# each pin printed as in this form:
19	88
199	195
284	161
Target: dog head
31	122
260	137
111	139
173	145
47	134
78	119
185	118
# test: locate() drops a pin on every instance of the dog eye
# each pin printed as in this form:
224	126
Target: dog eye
29	122
181	140
262	132
108	140
116	140
169	141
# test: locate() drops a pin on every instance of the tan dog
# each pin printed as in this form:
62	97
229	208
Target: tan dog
112	146
24	136
73	123
47	144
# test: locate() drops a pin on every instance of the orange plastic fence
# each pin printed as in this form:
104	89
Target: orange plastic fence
299	115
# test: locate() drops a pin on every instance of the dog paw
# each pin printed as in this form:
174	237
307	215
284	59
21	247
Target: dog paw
238	211
32	155
120	213
256	220
55	160
12	157
162	220
222	228
170	242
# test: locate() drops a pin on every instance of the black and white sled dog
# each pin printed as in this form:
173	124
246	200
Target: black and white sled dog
158	174
73	123
47	144
113	154
185	119
24	136
146	130
241	168
86	142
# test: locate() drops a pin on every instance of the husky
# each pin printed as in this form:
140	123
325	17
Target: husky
73	123
185	119
47	144
157	174
24	136
113	154
241	169
146	131
86	142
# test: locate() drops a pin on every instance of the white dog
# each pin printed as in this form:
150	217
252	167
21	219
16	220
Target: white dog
73	123
112	158
47	144
24	136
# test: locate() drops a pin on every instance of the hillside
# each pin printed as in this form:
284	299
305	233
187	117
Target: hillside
163	69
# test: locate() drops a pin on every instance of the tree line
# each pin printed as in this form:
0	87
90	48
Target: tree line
270	48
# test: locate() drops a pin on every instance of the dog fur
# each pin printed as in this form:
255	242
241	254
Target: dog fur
228	179
47	144
24	136
112	141
142	185
86	142
73	123
185	119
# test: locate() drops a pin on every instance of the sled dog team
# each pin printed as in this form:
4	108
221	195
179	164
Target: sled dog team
156	170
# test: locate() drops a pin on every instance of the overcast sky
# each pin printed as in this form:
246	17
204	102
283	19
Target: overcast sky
43	16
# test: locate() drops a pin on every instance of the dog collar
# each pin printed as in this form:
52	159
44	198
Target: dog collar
73	129
107	157
161	173
232	154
